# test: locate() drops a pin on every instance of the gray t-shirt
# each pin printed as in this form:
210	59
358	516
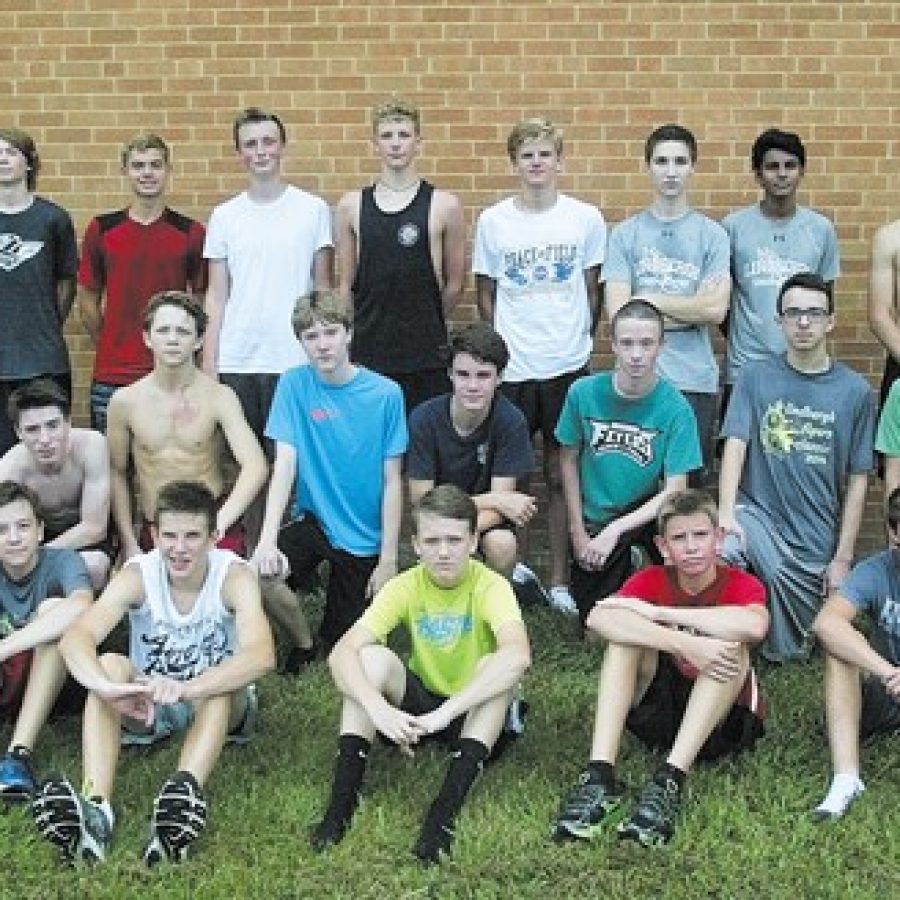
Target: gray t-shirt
677	257
805	433
764	254
58	573
874	587
37	249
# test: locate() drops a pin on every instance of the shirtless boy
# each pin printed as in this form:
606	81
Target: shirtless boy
170	425
401	252
68	470
884	291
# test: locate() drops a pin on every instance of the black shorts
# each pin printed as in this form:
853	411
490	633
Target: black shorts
418	700
418	387
880	710
255	393
109	545
305	545
657	718
542	401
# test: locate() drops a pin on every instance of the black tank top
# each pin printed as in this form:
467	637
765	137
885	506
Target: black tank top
398	318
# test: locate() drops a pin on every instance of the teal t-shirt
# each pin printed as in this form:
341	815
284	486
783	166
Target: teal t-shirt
627	445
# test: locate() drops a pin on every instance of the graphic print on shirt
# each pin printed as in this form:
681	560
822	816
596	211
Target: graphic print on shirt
443	630
769	269
656	272
14	251
785	428
184	652
623	438
545	268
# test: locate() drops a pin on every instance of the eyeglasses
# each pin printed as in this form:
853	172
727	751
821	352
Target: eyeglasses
795	314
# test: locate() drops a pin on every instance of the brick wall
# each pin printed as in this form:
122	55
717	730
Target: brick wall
84	75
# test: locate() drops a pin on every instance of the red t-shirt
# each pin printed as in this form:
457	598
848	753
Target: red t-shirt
732	587
130	262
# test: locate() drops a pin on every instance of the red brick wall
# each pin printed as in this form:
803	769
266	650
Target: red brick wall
84	75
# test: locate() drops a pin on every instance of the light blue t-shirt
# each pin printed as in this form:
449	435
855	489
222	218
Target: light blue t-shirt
764	254
677	257
342	434
874	587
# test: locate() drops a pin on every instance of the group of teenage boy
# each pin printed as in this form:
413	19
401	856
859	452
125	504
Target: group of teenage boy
261	427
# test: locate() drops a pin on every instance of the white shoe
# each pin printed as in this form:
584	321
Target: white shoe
562	601
845	788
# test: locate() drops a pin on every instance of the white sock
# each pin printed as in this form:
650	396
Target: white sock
845	788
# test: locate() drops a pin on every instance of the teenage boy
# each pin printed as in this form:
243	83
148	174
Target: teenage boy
127	256
537	261
340	434
266	247
38	262
476	439
469	650
42	591
678	259
68	470
862	676
198	639
676	673
628	439
175	423
770	241
401	256
799	434
884	297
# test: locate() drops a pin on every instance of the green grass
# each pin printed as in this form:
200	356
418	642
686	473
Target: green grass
745	831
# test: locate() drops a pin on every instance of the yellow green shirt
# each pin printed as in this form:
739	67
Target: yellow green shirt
451	628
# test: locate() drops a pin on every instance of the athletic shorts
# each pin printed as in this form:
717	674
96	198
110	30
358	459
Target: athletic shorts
542	401
13	681
657	718
880	710
305	545
255	393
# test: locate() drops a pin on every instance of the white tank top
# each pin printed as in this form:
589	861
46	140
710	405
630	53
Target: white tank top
179	645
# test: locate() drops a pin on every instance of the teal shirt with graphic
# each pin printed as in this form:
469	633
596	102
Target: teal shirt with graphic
627	446
679	257
451	629
764	254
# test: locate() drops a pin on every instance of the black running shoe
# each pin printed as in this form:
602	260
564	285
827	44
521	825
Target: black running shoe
591	808
77	826
179	815
652	823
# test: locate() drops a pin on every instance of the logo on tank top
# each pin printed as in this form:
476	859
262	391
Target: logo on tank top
623	438
408	234
14	251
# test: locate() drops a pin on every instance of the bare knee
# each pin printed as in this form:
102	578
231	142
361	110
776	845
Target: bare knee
500	548
97	564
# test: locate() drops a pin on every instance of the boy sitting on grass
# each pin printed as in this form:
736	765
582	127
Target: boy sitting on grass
676	672
469	650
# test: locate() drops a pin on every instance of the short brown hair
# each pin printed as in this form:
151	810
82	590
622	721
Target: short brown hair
181	300
448	502
24	143
11	491
146	141
686	503
636	308
536	129
320	306
37	394
393	109
250	116
191	497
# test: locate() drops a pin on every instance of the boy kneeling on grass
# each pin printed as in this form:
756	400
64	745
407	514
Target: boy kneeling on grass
676	672
199	638
469	650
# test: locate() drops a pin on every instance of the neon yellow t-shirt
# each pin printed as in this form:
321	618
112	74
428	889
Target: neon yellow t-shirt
451	628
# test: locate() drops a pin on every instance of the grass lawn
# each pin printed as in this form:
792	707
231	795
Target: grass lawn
746	832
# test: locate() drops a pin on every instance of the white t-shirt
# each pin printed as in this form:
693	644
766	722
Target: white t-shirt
538	261
179	645
269	248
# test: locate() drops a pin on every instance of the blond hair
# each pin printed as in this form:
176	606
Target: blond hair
533	130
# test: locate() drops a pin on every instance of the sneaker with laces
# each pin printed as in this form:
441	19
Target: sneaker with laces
79	827
562	601
590	808
17	781
179	816
652	823
527	587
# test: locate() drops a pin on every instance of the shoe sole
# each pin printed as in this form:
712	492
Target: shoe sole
68	836
642	836
612	816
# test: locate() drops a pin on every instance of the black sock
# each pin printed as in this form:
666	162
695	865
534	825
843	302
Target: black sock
601	772
183	777
349	769
673	773
465	766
